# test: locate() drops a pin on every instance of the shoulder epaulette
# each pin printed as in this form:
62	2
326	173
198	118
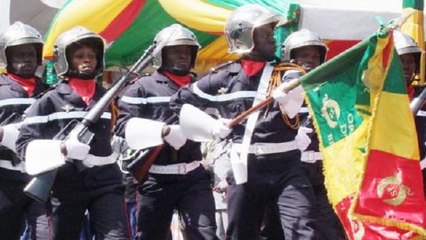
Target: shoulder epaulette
284	66
221	66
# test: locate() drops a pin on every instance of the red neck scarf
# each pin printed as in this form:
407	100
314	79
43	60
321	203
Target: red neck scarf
251	67
85	88
28	84
179	80
410	92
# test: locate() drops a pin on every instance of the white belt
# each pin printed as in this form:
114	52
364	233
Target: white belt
92	160
8	165
267	148
311	156
179	168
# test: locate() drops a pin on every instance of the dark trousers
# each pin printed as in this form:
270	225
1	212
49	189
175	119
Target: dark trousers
329	226
106	207
190	194
282	180
17	209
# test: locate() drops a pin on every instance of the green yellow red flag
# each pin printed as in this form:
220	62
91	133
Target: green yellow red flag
368	141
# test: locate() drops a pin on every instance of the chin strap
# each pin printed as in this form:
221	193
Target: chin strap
85	76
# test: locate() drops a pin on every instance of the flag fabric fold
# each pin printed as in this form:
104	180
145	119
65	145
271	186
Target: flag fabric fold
368	141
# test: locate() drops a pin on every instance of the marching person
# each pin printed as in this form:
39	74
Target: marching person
306	49
265	159
95	187
21	49
176	180
409	54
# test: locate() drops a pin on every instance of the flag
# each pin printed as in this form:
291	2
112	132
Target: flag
368	141
129	26
414	27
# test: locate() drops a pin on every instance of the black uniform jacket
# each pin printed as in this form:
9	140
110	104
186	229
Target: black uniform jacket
232	92
53	112
149	98
14	100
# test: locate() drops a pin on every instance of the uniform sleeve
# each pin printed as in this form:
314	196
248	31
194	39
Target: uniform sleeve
201	94
129	105
36	125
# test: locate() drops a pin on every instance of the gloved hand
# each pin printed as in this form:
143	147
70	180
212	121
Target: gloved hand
278	94
10	135
290	102
302	138
175	138
220	128
76	149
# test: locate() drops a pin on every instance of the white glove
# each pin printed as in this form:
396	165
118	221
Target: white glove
175	138
10	135
302	138
76	149
290	102
220	129
278	94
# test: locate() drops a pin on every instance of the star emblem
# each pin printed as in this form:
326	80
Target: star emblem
222	90
68	108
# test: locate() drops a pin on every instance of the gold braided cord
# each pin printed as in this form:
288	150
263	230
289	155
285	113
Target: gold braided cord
276	81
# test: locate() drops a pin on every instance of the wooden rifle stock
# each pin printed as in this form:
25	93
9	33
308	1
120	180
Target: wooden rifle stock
143	161
139	167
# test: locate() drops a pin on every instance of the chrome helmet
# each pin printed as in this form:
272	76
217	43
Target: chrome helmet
74	36
20	34
405	44
175	35
241	23
303	38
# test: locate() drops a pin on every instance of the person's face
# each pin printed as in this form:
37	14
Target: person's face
177	58
308	57
264	43
408	62
22	60
83	60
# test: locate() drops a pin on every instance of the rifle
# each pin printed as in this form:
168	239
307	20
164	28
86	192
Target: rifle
143	159
14	117
40	186
418	102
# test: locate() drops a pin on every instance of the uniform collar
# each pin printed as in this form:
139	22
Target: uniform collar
64	89
6	80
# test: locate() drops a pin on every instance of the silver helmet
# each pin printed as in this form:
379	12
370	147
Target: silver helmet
175	35
20	34
303	38
77	35
405	44
241	23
